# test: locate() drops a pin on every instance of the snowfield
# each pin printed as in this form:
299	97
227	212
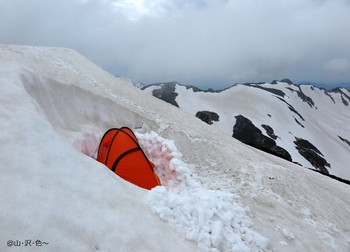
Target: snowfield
217	194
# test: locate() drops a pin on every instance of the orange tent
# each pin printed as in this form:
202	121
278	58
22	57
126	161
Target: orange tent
120	151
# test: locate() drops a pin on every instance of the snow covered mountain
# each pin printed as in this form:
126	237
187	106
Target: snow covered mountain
303	124
217	194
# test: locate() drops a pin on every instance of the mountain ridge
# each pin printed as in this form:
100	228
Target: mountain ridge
291	97
321	86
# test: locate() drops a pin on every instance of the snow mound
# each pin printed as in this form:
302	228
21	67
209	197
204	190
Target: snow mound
211	218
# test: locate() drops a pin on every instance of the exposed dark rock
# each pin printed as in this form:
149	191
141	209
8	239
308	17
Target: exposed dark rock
207	116
271	90
166	93
291	108
344	101
298	163
303	96
299	122
312	154
326	93
344	140
269	131
194	88
286	80
245	131
253	83
344	97
333	177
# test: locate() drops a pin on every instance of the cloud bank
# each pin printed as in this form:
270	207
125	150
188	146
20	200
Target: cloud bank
206	43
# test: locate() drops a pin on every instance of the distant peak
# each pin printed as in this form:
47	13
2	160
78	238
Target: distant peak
285	80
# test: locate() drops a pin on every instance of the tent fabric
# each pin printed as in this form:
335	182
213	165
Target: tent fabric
120	151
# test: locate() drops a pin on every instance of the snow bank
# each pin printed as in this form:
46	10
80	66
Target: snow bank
49	191
211	218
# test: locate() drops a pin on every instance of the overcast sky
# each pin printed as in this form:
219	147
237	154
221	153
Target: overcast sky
208	43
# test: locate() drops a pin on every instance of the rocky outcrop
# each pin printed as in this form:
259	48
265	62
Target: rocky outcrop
291	108
312	154
301	125
326	93
303	97
286	80
166	93
344	140
344	97
271	90
245	131
269	131
207	116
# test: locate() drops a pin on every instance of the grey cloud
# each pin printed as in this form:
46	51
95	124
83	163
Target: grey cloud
194	42
338	66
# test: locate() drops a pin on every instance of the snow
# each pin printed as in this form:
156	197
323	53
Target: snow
216	195
132	82
288	234
262	107
211	218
